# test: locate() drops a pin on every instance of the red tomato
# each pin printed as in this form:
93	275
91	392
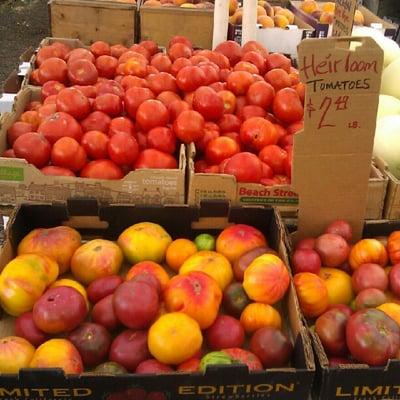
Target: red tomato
73	102
211	131
33	147
267	172
277	60
295	127
150	46
287	106
68	153
175	108
246	66
180	39
100	48
281	131
288	162
241	102
168	97
251	111
96	121
152	113
246	167
260	94
255	58
162	138
229	101
95	144
217	58
231	50
107	66
152	70
50	99
162	82
9	153
282	179
52	170
89	91
212	169
208	103
229	123
152	158
102	169
121	124
189	126
134	97
211	73
200	166
239	82
109	86
301	91
275	157
141	50
161	62
189	79
178	64
82	72
130	81
132	54
17	129
34	77
80	54
53	69
47	52
46	111
235	136
117	50
286	141
257	133
178	50
108	103
51	87
33	106
197	59
223	74
31	117
60	125
63	48
252	45
220	148
135	66
278	78
123	148
218	86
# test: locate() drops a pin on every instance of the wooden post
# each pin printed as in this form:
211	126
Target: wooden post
249	22
221	19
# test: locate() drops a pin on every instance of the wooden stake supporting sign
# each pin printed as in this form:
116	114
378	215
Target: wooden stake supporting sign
332	156
344	17
249	24
221	20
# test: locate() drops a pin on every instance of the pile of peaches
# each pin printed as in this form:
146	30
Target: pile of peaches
145	303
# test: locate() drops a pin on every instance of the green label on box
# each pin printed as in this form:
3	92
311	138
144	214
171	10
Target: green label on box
11	174
269	200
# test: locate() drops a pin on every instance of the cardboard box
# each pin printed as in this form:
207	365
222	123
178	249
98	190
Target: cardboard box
22	182
92	20
221	186
162	23
227	382
324	30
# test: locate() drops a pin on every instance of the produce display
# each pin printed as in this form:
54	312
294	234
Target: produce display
352	293
202	4
147	303
110	110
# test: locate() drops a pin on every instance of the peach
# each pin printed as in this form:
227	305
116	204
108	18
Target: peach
312	293
238	239
15	353
326	18
195	294
359	18
277	8
236	19
329	7
188	5
309	6
58	243
233	5
58	353
151	268
288	14
392	310
261	11
144	241
152	3
211	263
317	14
281	21
338	284
266	21
268	8
266	279
96	259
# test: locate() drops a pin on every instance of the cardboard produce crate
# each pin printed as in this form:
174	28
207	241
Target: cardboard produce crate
162	23
324	30
22	182
221	186
92	20
227	382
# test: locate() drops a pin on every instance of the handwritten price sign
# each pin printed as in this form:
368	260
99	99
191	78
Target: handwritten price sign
344	17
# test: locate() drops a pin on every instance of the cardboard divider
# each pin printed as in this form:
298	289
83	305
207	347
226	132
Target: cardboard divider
340	111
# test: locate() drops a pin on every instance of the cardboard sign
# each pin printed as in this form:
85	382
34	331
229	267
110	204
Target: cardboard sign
332	156
344	17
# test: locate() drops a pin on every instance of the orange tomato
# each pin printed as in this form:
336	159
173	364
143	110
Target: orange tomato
152	268
392	310
368	251
15	353
174	338
312	293
266	279
178	252
393	247
338	284
259	315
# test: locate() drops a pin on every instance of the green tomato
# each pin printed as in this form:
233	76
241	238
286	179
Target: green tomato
215	358
205	241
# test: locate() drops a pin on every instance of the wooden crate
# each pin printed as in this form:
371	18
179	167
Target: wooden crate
91	20
162	23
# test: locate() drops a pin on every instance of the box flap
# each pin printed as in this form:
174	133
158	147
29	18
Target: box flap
332	156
